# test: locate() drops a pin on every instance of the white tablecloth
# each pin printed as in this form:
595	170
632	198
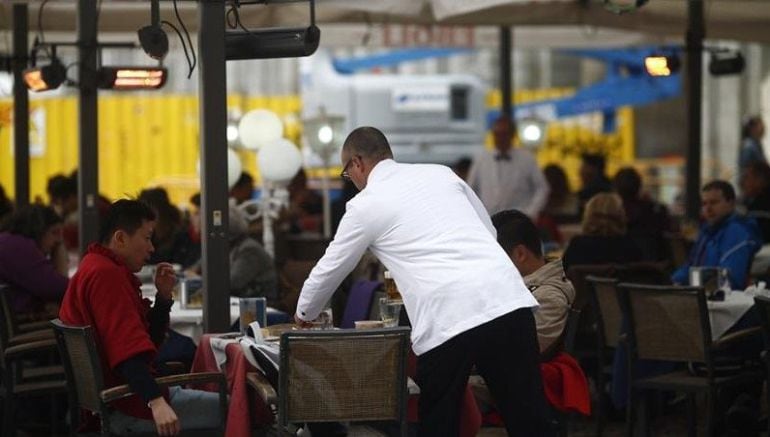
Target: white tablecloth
725	314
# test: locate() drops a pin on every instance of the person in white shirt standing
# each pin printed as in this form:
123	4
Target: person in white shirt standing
467	303
508	178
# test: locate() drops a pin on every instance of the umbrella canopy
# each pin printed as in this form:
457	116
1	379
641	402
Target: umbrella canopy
743	20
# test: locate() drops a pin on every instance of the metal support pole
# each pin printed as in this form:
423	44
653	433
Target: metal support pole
506	73
20	105
694	89
214	195
88	158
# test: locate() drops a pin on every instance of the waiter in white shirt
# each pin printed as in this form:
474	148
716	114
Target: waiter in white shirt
467	303
508	178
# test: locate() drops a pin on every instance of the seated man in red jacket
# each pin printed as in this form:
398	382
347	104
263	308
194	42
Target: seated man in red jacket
105	294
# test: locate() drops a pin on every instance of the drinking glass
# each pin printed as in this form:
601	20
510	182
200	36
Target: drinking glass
389	312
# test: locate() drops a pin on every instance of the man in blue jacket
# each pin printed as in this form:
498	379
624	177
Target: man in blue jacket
726	239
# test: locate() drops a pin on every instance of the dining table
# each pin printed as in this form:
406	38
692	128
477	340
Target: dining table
243	416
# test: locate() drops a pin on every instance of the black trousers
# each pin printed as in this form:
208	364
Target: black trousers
505	352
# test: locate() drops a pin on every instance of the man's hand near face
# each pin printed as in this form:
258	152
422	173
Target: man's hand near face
165	280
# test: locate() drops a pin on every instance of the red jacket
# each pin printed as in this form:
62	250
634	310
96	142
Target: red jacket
106	295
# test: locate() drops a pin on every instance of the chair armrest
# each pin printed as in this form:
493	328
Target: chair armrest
42	334
24	349
735	337
123	391
34	326
263	388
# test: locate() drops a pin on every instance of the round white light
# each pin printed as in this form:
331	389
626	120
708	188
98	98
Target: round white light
325	134
232	133
532	133
234	167
279	160
259	127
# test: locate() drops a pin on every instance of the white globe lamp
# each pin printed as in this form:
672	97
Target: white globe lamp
258	128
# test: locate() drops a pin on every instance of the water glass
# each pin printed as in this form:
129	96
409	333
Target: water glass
252	309
390	311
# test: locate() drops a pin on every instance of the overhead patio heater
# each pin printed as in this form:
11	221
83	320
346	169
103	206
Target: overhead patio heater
132	78
270	43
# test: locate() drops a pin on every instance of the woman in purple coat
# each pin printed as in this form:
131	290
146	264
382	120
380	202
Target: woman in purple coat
30	241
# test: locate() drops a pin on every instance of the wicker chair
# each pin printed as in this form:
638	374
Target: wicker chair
671	323
86	383
16	332
762	305
604	302
323	377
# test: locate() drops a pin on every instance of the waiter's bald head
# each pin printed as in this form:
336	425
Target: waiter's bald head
369	143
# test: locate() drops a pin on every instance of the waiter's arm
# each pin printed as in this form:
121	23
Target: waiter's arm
342	255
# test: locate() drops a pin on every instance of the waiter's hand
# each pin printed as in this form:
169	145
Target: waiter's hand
165	279
301	323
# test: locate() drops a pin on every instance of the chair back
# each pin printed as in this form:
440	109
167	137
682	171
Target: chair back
6	321
343	375
604	299
667	323
762	304
359	302
570	330
577	274
82	367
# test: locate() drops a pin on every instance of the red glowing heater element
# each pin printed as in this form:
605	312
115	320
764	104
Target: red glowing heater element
44	78
132	78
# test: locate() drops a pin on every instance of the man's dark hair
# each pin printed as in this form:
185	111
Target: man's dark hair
595	160
627	183
514	228
244	180
125	215
369	142
61	187
32	221
728	192
748	125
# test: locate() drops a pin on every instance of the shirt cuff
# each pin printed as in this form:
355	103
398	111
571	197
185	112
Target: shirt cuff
163	304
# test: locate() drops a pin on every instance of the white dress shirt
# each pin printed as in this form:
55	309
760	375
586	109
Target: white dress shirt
516	183
433	234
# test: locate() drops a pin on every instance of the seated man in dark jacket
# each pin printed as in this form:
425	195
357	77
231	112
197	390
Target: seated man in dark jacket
725	240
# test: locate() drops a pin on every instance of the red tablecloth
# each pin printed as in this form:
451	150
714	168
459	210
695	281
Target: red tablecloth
238	417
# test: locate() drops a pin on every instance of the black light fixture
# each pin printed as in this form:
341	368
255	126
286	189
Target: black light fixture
153	38
662	64
724	62
272	43
132	78
46	77
623	6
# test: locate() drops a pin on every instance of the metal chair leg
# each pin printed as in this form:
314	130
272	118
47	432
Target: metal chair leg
692	422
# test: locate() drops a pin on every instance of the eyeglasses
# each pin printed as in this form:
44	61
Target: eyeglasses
345	175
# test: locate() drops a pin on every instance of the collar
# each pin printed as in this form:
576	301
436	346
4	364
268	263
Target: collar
551	270
380	170
503	156
98	249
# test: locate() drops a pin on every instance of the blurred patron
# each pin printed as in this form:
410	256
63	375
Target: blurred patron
755	184
562	204
603	239
593	177
461	167
6	206
518	236
305	212
647	221
752	132
506	177
171	240
725	239
243	189
33	259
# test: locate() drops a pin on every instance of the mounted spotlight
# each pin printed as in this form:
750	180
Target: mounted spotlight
153	39
662	64
623	6
132	78
724	62
47	77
